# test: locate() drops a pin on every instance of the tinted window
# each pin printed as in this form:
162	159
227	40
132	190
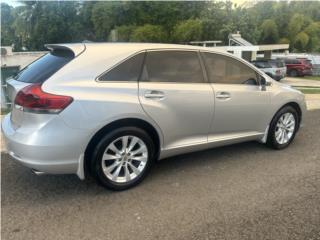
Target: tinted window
43	68
277	64
292	61
226	70
173	66
129	70
262	64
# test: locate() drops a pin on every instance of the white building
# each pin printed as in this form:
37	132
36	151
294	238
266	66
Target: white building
244	49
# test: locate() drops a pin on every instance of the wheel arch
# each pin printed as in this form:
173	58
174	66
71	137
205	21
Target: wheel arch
293	104
297	107
125	122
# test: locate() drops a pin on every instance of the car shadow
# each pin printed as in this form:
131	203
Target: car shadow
18	180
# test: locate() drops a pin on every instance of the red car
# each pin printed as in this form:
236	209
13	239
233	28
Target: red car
298	67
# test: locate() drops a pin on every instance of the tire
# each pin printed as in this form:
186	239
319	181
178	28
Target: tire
122	164
278	128
293	73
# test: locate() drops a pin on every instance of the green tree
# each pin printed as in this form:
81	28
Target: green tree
269	31
124	32
284	41
296	25
35	23
38	23
313	31
149	33
301	41
7	18
188	30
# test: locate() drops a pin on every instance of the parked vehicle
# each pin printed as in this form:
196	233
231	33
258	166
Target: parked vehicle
298	67
276	69
111	110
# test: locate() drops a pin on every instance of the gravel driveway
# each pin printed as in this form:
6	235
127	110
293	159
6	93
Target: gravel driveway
244	191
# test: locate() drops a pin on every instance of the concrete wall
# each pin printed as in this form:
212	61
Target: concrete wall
21	59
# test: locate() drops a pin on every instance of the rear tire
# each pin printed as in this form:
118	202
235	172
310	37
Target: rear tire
123	158
283	128
293	73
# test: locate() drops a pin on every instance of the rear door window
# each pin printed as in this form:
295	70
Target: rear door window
128	70
173	66
43	68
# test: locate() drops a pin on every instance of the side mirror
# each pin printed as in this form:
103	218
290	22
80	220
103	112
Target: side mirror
263	83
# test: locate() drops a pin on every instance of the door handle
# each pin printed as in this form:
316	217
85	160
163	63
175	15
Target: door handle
223	95
153	94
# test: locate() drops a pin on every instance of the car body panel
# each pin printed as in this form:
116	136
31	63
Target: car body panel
182	106
244	112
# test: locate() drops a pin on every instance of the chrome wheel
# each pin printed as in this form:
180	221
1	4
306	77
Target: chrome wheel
124	159
285	128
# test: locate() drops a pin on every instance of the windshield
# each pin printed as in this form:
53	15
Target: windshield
43	68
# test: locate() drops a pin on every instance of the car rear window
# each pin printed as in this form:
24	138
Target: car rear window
44	67
277	64
292	61
129	70
262	64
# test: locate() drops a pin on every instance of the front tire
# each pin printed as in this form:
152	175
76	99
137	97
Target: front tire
123	158
283	128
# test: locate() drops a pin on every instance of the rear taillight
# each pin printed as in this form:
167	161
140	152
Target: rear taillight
33	99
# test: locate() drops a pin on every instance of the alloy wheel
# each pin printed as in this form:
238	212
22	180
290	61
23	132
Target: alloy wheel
285	128
124	159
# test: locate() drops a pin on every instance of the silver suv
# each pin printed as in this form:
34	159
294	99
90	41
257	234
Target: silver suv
276	69
112	110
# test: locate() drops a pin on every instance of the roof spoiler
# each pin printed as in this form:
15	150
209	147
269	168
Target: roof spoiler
76	48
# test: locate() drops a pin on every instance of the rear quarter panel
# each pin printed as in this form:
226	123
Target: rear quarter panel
96	104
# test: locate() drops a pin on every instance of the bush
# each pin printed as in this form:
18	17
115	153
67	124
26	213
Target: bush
149	33
301	41
269	31
124	32
284	41
189	30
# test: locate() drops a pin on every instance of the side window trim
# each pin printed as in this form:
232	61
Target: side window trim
203	72
97	79
259	75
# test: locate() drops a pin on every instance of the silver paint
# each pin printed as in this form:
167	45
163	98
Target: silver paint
186	116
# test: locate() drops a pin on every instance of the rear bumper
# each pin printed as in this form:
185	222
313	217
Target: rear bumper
278	77
53	148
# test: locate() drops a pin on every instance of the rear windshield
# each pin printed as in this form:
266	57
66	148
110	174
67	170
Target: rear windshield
277	64
43	68
262	64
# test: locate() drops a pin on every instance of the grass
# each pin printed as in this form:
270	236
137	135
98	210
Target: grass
309	90
316	78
